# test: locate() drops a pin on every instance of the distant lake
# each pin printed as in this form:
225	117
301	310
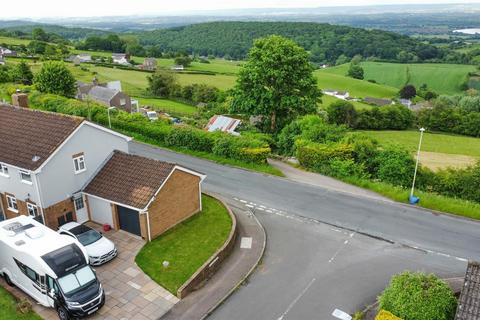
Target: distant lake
468	31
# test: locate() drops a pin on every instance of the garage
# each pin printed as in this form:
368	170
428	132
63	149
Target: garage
129	220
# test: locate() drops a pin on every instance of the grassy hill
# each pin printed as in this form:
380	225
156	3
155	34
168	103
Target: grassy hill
442	78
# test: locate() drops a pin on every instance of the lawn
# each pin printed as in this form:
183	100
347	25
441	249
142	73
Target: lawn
442	78
187	246
357	88
8	308
168	106
13	41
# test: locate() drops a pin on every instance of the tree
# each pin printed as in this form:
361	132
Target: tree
22	73
163	84
183	61
418	296
39	34
342	112
355	71
408	92
276	83
54	77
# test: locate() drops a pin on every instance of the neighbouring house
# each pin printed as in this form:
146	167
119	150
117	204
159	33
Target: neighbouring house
106	96
224	124
469	301
80	58
377	101
344	95
7	52
149	64
121	58
406	102
177	67
2	60
115	85
50	170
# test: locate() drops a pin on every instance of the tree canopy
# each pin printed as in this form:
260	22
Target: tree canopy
54	77
276	83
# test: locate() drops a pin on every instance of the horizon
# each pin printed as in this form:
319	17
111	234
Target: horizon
52	9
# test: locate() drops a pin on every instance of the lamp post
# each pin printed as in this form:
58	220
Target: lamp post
109	121
422	130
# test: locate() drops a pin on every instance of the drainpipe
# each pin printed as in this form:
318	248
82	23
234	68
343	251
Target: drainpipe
148	227
37	187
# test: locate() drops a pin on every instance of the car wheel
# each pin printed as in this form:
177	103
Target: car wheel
7	280
62	313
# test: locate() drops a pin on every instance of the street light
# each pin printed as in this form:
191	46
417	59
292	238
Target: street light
109	121
412	200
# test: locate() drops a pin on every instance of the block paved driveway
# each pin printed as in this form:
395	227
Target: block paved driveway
130	294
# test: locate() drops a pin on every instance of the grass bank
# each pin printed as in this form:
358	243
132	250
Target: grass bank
8	308
187	246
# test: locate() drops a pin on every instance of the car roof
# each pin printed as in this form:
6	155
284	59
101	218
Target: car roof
69	225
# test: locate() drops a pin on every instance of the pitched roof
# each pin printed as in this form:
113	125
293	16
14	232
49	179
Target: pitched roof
102	94
469	301
129	180
378	101
28	134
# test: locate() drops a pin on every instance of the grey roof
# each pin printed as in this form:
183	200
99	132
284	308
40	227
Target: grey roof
378	101
102	93
469	301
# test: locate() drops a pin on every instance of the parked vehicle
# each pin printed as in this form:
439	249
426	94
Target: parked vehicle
152	115
52	268
100	250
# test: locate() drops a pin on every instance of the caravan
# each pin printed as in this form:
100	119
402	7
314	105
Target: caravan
51	268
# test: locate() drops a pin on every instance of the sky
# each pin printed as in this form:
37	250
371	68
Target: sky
92	8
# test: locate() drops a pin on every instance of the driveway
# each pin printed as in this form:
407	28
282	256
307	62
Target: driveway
130	294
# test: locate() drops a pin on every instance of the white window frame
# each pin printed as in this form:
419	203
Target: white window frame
4	170
12	203
24	172
77	161
32	208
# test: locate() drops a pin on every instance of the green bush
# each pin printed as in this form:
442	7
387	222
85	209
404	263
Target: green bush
417	296
385	315
318	156
190	138
395	166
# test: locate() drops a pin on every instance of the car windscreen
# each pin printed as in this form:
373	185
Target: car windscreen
76	280
89	237
62	261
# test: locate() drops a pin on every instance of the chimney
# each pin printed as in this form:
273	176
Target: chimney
95	81
20	99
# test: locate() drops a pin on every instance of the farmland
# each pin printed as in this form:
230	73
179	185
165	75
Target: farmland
442	78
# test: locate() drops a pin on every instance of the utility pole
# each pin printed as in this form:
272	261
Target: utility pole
422	130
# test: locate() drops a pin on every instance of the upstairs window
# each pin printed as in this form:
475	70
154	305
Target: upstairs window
32	210
4	170
12	203
26	177
79	164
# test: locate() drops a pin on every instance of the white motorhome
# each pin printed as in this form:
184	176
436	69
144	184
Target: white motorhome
51	268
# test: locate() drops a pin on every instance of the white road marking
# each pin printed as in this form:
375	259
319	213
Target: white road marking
296	299
243	201
261	209
341	315
340	249
250	206
246	243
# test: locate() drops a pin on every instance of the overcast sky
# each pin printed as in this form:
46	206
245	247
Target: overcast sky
89	8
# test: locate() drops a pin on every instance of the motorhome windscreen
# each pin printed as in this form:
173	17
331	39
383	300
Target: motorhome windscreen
64	260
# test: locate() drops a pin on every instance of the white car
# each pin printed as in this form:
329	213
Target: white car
152	115
100	250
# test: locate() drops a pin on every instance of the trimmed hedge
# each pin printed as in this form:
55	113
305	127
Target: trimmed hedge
385	315
248	148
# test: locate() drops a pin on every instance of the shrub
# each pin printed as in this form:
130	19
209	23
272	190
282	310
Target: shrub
342	112
385	315
392	117
417	296
190	138
54	77
395	166
318	156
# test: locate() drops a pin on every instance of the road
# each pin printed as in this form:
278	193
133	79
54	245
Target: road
327	249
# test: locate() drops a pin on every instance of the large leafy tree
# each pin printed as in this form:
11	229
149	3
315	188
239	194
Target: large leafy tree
22	73
276	83
54	77
163	84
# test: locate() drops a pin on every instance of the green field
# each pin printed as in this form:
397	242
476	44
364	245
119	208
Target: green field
442	78
169	106
14	41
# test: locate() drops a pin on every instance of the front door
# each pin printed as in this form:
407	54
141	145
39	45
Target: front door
81	209
129	220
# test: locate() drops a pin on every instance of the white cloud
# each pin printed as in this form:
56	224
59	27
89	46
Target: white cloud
87	8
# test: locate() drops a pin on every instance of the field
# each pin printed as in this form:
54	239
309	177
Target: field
441	78
438	150
13	41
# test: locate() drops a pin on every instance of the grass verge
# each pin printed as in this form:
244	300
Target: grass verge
263	168
428	200
8	308
187	246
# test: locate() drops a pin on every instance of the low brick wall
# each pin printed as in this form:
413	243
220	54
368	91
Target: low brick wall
206	271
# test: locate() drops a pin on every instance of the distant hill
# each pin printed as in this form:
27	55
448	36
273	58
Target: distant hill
19	27
326	42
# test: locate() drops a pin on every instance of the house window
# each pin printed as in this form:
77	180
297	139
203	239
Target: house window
79	203
26	177
79	164
123	101
12	203
32	210
4	170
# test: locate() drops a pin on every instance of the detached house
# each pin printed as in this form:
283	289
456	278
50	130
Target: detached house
121	58
59	168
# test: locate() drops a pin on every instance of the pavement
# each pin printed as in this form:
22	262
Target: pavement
130	294
231	274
